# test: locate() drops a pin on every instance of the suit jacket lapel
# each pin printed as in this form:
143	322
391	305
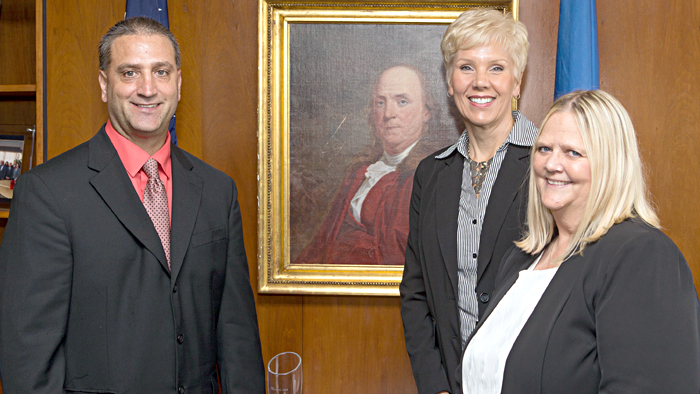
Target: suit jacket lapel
517	263
447	192
187	196
505	189
522	261
112	183
538	325
536	331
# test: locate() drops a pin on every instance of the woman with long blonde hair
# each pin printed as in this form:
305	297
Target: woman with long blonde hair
595	298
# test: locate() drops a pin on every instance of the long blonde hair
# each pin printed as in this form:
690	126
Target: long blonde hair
618	190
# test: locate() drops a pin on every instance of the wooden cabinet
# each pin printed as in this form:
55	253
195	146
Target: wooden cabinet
22	71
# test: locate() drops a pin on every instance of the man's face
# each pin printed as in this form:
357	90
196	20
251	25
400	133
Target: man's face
141	87
399	109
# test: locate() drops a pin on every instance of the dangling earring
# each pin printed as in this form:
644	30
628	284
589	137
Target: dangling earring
518	97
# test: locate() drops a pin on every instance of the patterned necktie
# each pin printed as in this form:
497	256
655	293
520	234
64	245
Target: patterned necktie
155	199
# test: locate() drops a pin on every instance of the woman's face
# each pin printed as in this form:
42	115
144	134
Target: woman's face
483	84
562	170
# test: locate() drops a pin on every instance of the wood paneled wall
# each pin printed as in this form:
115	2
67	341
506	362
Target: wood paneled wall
649	59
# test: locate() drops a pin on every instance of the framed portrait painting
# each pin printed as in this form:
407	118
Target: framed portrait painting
351	97
16	144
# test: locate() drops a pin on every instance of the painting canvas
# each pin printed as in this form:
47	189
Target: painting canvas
332	133
351	100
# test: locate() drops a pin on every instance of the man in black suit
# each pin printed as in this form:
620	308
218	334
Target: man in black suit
4	168
122	268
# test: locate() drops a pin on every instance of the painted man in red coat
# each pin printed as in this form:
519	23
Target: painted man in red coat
368	220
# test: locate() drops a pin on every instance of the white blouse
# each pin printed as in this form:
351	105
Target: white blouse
485	358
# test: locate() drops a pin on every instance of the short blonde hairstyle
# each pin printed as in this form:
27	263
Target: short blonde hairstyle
617	191
477	28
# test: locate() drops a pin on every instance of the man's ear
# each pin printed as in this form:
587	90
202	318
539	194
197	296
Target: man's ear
179	83
102	78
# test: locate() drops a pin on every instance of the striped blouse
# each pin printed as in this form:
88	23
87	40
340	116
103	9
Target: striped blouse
471	216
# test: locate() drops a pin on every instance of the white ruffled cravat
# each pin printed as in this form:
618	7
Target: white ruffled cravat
374	173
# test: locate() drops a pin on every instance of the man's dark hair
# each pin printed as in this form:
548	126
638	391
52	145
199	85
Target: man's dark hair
138	25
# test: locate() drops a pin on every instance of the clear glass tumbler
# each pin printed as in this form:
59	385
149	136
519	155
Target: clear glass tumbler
284	374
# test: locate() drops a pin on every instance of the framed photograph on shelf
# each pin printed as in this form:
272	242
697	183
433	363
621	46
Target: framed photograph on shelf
351	97
16	144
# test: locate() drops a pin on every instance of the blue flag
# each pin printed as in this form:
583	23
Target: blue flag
577	49
156	10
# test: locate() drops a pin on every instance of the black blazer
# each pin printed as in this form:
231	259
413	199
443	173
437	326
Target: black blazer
622	318
429	286
87	301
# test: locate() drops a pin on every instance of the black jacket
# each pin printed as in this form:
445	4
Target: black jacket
87	302
622	318
429	286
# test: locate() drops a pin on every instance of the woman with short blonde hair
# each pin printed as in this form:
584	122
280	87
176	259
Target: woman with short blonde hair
468	200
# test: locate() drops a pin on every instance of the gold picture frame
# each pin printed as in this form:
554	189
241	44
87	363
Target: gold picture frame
308	68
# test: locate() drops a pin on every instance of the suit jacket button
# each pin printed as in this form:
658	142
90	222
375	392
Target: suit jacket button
180	338
181	390
175	289
484	298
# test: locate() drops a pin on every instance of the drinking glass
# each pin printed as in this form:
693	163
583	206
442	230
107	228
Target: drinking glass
284	374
